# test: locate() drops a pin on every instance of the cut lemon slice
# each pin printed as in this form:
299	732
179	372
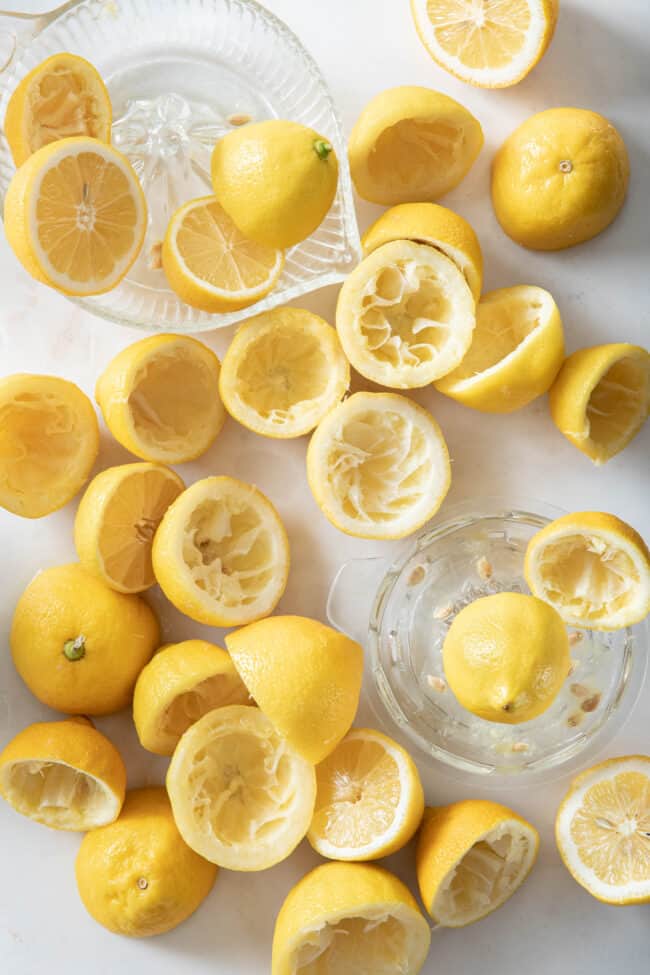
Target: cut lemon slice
405	315
471	857
116	521
242	798
593	568
369	801
412	144
305	676
602	830
489	43
601	398
428	223
221	554
75	216
160	398
64	96
516	352
63	774
211	265
349	917
178	686
49	441
378	466
283	371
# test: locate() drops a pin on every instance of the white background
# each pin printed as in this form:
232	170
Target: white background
596	61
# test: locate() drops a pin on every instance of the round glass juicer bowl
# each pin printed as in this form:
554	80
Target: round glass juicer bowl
401	613
178	71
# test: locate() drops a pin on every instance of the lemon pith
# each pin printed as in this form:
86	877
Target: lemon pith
283	371
178	686
345	917
369	800
63	775
593	568
116	521
602	830
136	876
378	466
242	797
412	144
49	441
471	857
160	398
221	553
75	216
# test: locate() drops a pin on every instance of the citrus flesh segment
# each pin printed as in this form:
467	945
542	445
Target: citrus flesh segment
283	371
349	917
242	797
49	441
602	830
412	144
378	466
471	857
593	568
178	686
405	315
601	398
62	97
136	876
517	351
160	398
369	801
221	553
75	216
116	521
429	223
211	265
489	43
64	775
305	676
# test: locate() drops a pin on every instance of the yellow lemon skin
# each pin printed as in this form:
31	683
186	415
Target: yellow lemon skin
78	645
49	441
339	891
448	834
304	676
87	102
484	381
181	683
175	380
585	376
430	223
137	877
559	179
506	657
398	147
276	180
48	745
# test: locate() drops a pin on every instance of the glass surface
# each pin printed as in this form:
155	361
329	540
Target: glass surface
177	71
475	554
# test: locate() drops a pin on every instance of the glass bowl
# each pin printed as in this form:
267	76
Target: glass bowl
401	612
177	70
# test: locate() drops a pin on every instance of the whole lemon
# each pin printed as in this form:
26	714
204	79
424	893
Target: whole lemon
137	876
559	179
276	180
506	657
78	645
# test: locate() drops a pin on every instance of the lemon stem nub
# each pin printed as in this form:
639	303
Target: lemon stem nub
75	649
322	148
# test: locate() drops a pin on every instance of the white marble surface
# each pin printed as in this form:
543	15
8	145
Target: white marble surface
600	59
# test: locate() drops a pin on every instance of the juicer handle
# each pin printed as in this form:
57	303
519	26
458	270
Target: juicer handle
17	29
352	595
